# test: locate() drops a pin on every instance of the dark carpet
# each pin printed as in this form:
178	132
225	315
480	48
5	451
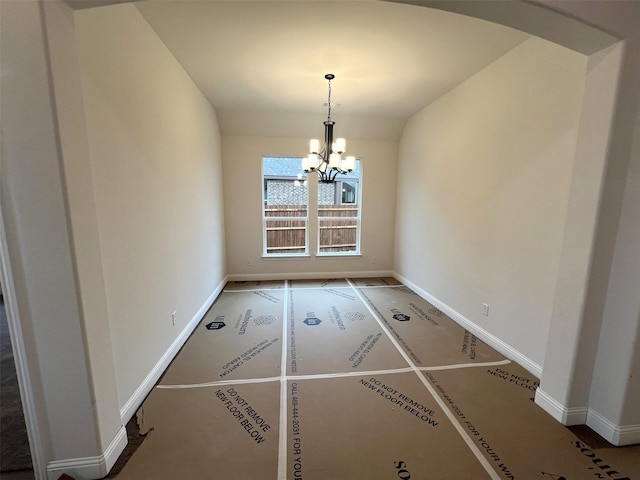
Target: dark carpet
14	443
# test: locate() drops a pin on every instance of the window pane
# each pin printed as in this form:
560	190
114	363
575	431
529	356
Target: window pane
285	206
286	236
286	192
338	235
339	214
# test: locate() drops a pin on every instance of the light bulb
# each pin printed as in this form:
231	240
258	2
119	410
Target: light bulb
349	163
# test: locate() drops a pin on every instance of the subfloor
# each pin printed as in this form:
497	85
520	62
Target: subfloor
351	379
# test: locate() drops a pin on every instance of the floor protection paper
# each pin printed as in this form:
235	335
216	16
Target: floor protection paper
254	285
326	283
223	432
376	426
375	282
240	337
426	334
351	379
495	406
342	322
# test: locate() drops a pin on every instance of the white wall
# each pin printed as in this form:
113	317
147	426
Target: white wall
45	297
592	343
597	379
612	301
576	317
80	202
40	234
242	170
156	170
616	388
484	176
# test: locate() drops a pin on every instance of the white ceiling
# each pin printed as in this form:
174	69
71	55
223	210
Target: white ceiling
390	59
262	63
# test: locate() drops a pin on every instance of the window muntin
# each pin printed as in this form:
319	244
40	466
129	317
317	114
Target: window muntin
339	215
285	212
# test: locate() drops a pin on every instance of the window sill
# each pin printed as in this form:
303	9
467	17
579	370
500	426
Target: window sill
303	256
307	256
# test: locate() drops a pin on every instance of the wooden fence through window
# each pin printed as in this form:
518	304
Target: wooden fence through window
286	234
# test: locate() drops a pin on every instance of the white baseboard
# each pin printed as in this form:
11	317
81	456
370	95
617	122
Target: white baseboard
90	467
616	434
488	338
247	277
133	404
565	415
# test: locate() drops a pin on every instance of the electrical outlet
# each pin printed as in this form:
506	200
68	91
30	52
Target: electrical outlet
174	317
485	309
373	259
249	262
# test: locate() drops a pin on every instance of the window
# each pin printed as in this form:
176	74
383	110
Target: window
348	192
285	212
339	215
285	207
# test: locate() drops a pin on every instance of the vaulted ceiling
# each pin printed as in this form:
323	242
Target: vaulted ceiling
389	59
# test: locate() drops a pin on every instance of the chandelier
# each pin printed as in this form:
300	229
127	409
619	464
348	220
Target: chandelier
328	162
